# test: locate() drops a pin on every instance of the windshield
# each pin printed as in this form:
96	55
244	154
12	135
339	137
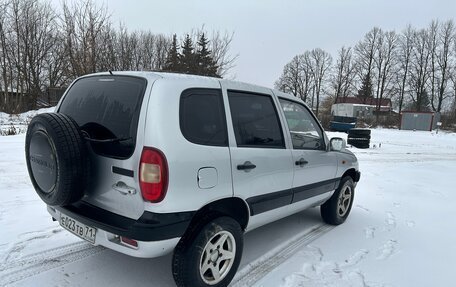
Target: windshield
106	109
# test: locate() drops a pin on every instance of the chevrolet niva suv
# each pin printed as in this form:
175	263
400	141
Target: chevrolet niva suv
149	163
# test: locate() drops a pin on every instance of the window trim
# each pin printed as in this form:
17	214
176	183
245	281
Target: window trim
324	147
274	105
204	91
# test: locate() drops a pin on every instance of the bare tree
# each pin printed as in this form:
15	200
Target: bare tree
147	50
54	64
291	79
344	74
126	51
433	43
40	49
220	51
444	54
420	69
162	44
296	77
83	24
405	50
365	52
385	60
5	57
320	65
412	66
453	80
27	38
452	73
108	59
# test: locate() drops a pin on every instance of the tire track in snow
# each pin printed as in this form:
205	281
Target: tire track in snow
17	247
257	269
405	160
33	264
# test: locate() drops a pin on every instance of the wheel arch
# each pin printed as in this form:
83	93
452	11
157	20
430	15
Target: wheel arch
352	173
233	207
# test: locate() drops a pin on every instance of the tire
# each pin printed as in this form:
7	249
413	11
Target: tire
359	132
361	146
355	136
56	156
336	210
359	142
194	255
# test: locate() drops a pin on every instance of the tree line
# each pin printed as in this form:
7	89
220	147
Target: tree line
415	68
41	48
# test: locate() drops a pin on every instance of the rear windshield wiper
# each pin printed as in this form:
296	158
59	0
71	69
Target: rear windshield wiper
111	140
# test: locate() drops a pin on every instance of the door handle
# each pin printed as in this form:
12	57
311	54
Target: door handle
246	166
124	189
301	162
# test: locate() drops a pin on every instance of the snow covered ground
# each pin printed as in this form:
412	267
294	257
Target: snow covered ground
401	231
19	122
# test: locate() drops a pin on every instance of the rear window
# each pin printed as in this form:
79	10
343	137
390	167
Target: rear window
107	111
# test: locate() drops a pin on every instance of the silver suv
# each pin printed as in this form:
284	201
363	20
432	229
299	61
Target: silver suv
148	163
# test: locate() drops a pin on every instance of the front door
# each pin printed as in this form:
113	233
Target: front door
314	167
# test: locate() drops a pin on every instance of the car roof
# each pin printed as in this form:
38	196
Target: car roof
153	75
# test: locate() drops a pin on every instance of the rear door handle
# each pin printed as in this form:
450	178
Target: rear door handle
301	162
246	166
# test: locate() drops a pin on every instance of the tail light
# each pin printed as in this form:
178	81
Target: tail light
153	175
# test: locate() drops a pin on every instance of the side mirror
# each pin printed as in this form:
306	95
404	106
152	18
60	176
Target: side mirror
337	144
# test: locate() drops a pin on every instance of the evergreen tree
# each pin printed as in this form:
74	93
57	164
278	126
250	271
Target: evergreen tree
422	103
188	58
206	65
365	92
172	63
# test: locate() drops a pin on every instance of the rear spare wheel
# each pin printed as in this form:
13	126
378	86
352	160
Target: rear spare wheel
56	157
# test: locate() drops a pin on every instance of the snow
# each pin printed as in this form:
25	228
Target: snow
19	121
400	231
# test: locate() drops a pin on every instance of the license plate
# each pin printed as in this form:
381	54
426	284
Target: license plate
77	228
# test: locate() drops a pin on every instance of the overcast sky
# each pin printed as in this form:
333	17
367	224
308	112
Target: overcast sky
269	33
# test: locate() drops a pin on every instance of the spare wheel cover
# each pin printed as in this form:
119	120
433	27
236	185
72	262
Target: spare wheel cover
43	161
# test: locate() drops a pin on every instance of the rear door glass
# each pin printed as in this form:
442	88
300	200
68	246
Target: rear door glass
107	111
255	120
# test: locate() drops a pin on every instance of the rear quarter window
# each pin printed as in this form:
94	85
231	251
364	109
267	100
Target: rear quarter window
107	107
202	117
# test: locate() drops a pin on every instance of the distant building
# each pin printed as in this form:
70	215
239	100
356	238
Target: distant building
360	108
19	102
419	121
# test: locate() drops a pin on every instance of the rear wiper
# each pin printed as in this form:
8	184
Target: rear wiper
108	140
112	140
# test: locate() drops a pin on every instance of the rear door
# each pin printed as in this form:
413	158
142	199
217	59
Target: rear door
109	110
314	167
261	165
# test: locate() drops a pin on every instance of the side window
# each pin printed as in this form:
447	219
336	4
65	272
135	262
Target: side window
202	117
255	120
304	131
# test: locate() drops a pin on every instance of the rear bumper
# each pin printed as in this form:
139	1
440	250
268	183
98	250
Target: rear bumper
156	233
